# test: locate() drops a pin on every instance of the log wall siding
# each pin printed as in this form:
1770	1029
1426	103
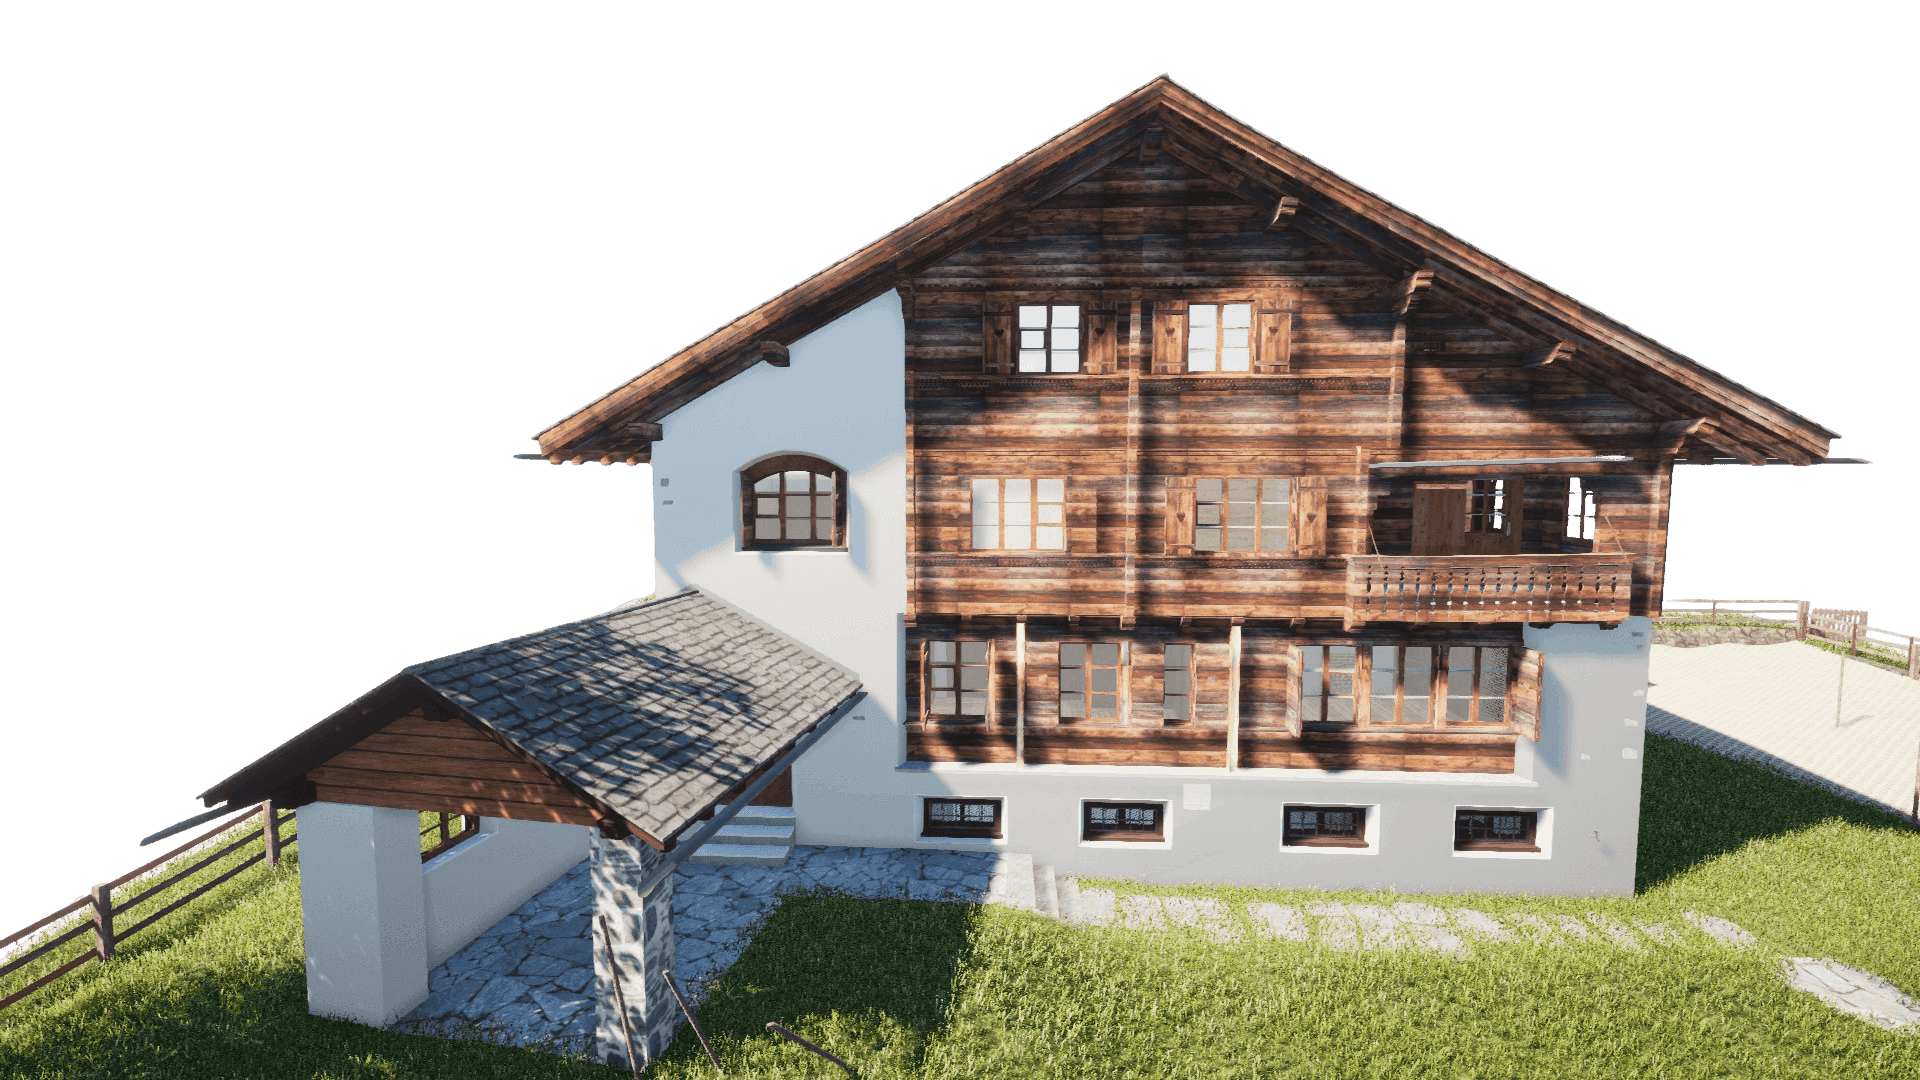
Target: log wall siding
1142	735
1140	233
418	764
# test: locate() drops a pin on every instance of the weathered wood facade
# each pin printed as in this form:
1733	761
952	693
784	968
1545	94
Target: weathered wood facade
1396	419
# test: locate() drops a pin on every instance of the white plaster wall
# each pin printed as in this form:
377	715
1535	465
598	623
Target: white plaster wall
1584	774
362	913
475	884
842	399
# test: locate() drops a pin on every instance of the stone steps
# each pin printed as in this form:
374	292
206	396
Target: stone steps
757	836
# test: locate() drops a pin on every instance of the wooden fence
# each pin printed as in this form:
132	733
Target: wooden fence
103	932
1838	626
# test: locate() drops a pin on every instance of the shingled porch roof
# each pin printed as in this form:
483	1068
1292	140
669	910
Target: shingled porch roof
652	711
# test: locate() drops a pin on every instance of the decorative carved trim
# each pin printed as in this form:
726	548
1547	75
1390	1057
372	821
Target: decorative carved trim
1038	562
1272	384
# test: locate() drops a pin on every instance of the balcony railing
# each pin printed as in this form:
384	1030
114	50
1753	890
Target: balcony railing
1488	588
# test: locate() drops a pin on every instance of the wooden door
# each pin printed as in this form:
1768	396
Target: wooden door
1439	518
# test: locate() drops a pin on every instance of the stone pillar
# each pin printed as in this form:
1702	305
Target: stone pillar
642	930
364	911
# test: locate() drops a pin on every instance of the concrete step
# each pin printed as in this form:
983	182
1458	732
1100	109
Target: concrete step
1012	882
742	854
733	832
1046	894
761	815
1069	893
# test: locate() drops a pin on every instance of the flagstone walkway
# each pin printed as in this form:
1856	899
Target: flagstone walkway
1776	704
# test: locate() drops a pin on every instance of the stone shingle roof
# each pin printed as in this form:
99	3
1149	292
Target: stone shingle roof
654	708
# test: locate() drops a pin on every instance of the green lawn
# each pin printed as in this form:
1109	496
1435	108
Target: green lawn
910	989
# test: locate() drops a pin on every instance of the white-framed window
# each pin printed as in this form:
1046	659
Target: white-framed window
1049	338
1020	513
1219	337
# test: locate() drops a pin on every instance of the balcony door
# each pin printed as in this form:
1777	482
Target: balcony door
1476	517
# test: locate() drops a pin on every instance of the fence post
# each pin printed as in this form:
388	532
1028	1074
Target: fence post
102	897
1913	658
1853	639
1713	612
1800	630
271	814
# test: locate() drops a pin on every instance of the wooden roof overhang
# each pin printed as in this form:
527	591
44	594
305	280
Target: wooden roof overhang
287	775
1710	416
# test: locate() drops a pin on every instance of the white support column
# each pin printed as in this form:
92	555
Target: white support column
642	932
364	909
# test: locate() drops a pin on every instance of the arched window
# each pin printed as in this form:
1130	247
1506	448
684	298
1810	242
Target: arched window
793	501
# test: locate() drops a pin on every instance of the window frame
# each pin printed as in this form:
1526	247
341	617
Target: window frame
1189	670
1260	504
929	829
1489	509
1121	668
780	464
1583	510
1531	844
1090	834
1482	687
1219	337
1289	839
959	664
1034	505
1020	329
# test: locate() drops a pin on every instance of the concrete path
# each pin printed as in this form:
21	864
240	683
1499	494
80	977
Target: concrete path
1775	703
529	978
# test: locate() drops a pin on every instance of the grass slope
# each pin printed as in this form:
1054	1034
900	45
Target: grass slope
911	989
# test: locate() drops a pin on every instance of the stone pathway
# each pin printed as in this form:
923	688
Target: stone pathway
529	979
1775	704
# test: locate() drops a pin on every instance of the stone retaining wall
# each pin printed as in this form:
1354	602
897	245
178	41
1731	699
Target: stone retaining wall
1692	635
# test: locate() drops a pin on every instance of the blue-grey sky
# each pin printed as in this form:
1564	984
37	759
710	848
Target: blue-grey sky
282	290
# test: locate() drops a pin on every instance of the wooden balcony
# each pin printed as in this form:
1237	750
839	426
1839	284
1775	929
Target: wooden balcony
1488	588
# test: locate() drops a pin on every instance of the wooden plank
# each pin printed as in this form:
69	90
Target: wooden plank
1233	698
477	805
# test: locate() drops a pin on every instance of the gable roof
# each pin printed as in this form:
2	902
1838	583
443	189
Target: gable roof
653	710
1732	419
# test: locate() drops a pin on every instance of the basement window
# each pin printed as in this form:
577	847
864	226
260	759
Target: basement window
1049	338
1495	830
1325	826
961	818
1137	822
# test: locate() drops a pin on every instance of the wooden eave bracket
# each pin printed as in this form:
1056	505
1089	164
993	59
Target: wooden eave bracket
1557	353
774	353
1412	288
1283	212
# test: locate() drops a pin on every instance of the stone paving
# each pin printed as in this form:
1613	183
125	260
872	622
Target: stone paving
528	979
1775	704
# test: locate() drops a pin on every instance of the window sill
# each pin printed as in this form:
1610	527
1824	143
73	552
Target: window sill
822	548
1134	845
1499	853
962	841
1328	849
1325	843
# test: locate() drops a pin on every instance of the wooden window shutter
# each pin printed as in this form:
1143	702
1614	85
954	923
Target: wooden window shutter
1179	515
1169	337
1102	345
996	336
924	717
993	688
1310	517
1523	693
1516	510
1273	339
1363	685
1296	717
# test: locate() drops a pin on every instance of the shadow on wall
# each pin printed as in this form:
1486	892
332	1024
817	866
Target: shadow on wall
867	978
1696	805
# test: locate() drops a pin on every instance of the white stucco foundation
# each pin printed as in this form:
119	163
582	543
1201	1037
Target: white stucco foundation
363	911
480	881
376	920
